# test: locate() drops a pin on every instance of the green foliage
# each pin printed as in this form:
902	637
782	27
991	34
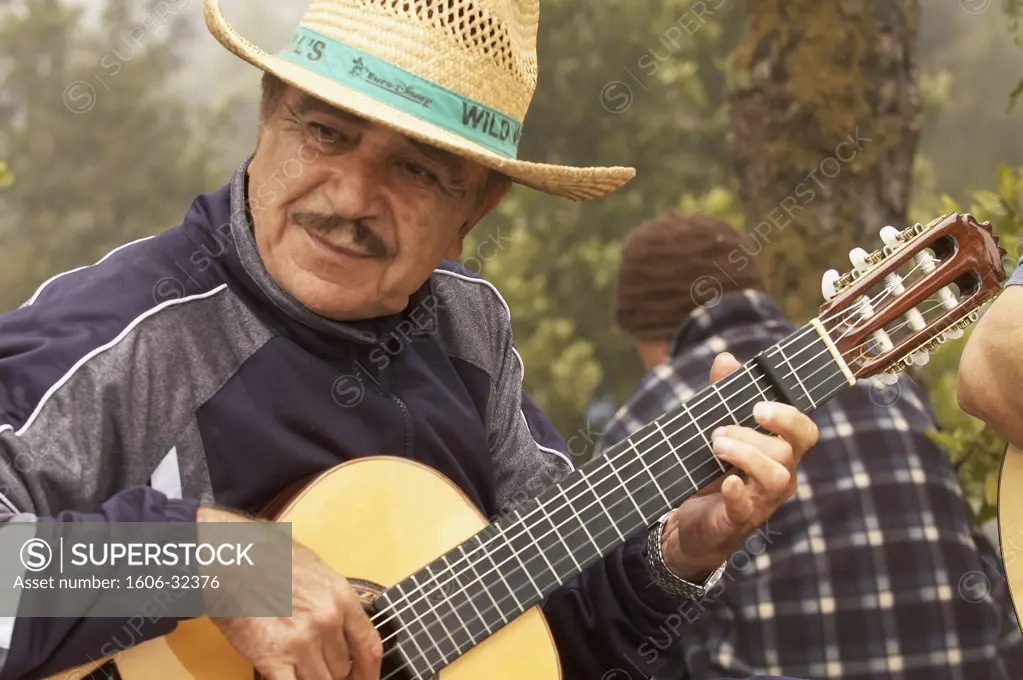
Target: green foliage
638	83
718	202
103	153
1014	10
966	127
974	448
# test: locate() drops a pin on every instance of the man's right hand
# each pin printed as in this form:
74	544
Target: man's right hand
327	637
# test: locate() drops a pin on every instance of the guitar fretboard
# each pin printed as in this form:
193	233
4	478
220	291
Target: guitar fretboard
458	600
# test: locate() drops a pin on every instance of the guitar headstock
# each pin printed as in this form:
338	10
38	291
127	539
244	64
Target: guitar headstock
923	287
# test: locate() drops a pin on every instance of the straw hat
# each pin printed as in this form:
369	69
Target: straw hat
456	74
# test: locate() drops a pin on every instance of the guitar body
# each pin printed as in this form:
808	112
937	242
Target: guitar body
1010	525
374	520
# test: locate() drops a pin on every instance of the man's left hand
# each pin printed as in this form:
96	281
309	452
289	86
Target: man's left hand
707	528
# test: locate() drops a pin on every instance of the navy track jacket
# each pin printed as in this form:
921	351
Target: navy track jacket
174	372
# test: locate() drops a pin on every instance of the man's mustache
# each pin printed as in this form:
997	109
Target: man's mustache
362	236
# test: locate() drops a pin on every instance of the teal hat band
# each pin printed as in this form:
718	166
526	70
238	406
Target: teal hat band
404	91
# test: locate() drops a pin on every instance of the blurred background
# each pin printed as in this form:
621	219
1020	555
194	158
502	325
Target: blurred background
114	114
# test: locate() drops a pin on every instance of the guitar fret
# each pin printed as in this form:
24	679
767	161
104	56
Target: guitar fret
433	610
755	381
418	674
484	588
602	506
725	403
557	533
710	446
539	549
630	468
473	636
578	519
823	370
460	647
614	469
501	575
652	478
776	366
795	375
518	558
679	458
412	636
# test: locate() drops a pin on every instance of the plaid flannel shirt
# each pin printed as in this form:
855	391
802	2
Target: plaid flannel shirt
872	570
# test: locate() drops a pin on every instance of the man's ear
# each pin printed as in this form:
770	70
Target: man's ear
495	192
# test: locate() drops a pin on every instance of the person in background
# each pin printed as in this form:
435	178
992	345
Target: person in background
873	569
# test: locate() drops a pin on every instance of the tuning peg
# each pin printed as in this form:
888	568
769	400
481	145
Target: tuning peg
947	297
956	330
915	319
884	342
924	261
921	358
885	379
945	294
890	236
828	288
858	257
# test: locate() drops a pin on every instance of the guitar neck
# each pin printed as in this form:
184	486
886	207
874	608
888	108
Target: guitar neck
463	597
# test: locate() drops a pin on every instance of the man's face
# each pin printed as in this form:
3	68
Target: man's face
350	217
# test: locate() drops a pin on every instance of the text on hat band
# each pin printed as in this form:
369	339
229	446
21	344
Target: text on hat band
405	91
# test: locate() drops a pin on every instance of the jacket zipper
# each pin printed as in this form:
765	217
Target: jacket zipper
408	425
383	384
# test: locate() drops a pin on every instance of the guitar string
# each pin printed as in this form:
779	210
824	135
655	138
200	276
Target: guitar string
703	482
424	657
516	555
726	382
425	626
512	591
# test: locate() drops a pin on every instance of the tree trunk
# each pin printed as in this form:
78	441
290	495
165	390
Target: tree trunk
825	118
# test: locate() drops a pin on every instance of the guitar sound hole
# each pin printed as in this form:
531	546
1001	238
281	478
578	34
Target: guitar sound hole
393	666
107	671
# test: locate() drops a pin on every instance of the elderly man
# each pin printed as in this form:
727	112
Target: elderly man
874	569
188	377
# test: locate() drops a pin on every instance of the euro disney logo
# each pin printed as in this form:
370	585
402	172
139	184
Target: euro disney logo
398	88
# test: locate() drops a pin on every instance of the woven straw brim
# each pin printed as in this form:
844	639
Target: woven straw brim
576	183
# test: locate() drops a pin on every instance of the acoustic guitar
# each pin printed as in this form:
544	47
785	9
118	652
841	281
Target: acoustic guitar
458	597
1010	526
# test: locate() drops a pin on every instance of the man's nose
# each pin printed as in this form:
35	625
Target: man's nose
354	192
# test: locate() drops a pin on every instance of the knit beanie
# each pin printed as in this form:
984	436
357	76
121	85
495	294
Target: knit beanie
674	263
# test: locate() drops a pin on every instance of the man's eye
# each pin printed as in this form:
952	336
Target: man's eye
421	172
326	135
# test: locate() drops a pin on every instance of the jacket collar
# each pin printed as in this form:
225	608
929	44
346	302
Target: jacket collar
731	313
